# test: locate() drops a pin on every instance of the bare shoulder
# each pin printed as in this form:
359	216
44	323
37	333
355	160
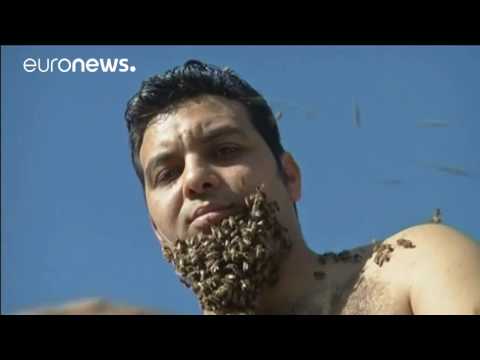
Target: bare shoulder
442	268
426	243
435	236
428	268
435	247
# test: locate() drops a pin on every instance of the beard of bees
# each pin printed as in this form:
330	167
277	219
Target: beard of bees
228	267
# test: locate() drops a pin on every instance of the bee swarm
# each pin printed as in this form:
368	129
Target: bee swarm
228	267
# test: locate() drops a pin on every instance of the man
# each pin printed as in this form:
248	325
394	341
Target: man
202	142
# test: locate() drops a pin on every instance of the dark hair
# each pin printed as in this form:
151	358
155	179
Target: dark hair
162	93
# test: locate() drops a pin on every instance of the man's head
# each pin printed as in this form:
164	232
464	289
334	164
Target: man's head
165	93
201	140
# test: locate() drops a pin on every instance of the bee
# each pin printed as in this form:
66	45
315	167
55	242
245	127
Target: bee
215	268
377	257
344	255
319	275
195	259
437	217
357	257
246	241
167	253
405	243
230	278
245	284
257	213
209	263
184	282
383	254
321	259
233	268
259	251
178	245
212	255
221	291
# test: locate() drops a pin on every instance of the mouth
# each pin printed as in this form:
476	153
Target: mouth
213	217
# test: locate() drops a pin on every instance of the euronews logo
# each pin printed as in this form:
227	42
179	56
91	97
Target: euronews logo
65	65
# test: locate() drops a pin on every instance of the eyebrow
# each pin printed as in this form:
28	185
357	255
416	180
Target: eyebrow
212	135
223	131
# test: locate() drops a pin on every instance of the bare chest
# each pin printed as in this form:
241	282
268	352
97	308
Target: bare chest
369	292
372	297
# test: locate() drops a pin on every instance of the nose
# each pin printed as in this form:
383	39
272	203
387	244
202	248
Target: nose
200	178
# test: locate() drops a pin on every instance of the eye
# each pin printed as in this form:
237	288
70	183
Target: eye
227	151
167	175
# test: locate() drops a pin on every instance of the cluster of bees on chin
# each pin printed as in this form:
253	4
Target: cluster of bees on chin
229	266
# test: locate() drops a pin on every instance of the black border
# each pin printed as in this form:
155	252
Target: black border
180	335
222	30
319	334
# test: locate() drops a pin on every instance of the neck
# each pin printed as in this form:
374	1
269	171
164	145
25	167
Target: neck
295	279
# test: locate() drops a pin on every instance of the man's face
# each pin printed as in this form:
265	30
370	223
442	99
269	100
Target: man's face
201	161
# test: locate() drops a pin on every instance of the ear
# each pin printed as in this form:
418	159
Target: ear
292	176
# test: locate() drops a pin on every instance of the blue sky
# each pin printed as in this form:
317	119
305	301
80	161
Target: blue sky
74	224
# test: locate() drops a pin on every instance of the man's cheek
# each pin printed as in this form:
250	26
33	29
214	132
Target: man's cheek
248	182
164	234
